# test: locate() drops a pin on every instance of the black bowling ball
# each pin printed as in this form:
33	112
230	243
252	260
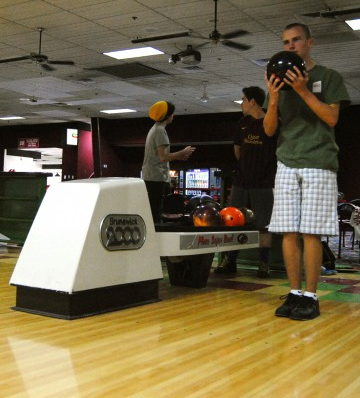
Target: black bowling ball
198	200
282	62
249	215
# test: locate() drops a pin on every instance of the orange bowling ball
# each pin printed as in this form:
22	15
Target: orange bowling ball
232	217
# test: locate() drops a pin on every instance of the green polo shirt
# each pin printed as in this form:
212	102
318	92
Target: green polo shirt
305	141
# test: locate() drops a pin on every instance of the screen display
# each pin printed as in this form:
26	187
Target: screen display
197	178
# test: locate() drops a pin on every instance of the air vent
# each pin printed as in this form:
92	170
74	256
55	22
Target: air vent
130	71
331	38
188	69
194	67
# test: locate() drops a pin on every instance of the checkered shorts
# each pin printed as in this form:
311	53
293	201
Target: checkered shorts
305	201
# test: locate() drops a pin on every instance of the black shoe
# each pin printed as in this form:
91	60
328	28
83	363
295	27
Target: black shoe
226	267
291	302
307	308
263	271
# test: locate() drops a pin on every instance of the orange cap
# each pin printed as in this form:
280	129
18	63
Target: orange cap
158	111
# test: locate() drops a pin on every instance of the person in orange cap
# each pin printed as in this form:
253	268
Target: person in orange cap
156	168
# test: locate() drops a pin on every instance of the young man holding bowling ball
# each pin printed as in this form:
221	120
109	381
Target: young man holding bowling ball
305	201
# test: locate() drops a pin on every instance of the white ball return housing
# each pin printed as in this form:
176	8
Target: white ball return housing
93	248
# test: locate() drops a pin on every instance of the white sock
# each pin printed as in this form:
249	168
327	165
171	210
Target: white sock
310	294
296	292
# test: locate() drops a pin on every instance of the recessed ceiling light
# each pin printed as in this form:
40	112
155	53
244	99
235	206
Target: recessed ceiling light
114	111
11	118
239	101
354	23
261	61
134	53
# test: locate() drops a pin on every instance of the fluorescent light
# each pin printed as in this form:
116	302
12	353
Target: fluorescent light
239	102
354	24
11	118
134	53
113	111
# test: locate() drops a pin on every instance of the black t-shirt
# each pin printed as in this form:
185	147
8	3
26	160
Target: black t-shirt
256	167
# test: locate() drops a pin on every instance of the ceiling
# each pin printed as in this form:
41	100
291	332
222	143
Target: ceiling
82	30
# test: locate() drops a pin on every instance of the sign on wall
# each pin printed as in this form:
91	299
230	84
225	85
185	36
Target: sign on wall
28	143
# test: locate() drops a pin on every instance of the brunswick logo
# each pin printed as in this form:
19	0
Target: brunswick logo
122	232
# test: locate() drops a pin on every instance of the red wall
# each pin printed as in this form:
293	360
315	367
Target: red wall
85	160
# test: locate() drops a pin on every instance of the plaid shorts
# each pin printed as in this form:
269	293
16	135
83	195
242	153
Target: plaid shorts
305	201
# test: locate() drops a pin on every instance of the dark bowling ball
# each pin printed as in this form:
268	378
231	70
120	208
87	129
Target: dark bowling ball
214	204
206	215
249	216
283	61
197	200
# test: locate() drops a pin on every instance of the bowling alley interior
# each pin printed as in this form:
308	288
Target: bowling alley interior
98	301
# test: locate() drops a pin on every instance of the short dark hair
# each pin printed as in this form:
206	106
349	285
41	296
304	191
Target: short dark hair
255	93
171	109
304	27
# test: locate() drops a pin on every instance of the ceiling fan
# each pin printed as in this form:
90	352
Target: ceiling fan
331	13
40	59
215	37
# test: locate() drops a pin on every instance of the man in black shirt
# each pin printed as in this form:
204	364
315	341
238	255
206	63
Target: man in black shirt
254	176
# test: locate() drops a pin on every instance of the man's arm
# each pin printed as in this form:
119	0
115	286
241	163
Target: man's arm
166	156
271	118
328	113
237	151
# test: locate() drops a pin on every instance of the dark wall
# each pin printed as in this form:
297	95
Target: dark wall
118	145
121	142
348	139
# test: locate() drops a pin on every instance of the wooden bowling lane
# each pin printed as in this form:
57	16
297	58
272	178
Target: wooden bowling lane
210	342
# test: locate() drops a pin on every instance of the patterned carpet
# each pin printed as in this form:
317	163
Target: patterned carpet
343	286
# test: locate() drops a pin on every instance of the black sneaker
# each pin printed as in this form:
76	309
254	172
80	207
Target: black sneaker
226	267
307	308
263	271
291	302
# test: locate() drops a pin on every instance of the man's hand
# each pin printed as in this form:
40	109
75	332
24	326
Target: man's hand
296	79
274	85
187	152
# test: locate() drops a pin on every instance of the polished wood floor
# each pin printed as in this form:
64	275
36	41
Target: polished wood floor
211	342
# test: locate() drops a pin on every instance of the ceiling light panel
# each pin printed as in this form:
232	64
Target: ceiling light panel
354	24
115	111
134	53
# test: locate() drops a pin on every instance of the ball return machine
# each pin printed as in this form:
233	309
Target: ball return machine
93	248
